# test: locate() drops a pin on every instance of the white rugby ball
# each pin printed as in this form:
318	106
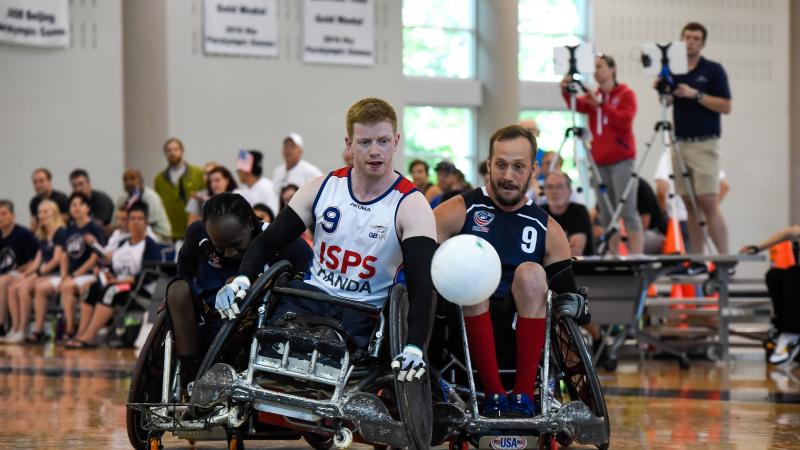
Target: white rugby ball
466	269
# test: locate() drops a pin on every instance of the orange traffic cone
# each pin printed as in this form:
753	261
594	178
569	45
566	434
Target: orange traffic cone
781	255
623	239
673	241
682	291
673	245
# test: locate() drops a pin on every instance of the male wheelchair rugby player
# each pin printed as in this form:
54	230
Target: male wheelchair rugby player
309	354
499	230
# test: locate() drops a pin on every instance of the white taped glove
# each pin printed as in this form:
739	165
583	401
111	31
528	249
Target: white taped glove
409	365
229	294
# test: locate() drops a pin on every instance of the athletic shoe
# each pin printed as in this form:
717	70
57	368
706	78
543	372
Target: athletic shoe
520	405
495	406
786	349
14	337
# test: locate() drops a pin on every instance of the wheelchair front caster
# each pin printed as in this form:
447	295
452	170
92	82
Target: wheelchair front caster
342	438
154	442
564	439
684	363
318	442
459	444
235	442
547	442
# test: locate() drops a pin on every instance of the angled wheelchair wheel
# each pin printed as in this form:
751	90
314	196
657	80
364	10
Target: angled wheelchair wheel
146	385
574	361
232	343
414	402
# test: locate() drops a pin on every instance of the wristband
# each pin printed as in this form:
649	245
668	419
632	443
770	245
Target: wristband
699	96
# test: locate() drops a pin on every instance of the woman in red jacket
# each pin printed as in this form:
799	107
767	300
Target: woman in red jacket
611	109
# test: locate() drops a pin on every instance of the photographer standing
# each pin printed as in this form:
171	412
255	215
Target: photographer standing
611	110
700	96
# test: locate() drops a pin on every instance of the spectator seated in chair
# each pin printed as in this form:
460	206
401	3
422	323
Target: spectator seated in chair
114	286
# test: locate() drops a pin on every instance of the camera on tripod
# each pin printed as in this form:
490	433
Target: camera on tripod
665	61
577	61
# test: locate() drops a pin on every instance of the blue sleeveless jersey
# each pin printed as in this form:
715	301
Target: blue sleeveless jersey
518	236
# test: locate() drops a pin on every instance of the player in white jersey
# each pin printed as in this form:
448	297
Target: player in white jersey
369	222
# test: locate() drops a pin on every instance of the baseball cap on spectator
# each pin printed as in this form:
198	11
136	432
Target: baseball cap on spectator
445	166
296	138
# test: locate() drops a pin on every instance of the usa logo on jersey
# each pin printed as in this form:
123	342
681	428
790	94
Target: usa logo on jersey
482	220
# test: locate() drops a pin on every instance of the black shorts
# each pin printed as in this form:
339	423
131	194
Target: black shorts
111	295
358	324
503	310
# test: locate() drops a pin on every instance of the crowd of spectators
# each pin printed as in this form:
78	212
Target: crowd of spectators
89	251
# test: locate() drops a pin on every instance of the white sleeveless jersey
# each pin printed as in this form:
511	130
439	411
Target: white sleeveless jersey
357	251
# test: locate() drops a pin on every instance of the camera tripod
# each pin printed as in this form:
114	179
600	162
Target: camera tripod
576	134
665	130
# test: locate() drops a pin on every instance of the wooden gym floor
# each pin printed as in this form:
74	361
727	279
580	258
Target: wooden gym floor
52	398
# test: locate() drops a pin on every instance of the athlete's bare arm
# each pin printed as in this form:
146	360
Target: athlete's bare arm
302	202
415	218
450	217
556	247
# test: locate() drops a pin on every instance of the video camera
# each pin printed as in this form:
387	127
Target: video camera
574	60
665	61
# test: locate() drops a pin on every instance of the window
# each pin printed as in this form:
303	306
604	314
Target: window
436	133
543	25
439	38
552	126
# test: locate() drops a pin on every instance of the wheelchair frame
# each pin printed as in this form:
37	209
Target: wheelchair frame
460	422
227	398
225	401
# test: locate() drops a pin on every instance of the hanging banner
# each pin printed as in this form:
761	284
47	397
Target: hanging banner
339	32
42	23
241	27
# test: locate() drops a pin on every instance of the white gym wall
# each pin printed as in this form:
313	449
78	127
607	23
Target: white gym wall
62	108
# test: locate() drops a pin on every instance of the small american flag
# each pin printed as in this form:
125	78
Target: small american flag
245	161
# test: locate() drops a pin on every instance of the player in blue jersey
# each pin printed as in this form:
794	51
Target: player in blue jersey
210	256
535	256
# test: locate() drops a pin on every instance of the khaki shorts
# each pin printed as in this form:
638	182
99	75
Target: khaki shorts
702	162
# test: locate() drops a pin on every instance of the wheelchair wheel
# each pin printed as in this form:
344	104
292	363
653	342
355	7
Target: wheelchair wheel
146	385
413	399
575	363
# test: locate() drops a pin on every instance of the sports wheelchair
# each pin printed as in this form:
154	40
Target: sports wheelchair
307	378
279	382
569	401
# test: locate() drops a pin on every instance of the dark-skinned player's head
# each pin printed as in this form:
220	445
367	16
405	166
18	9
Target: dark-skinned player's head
512	158
230	223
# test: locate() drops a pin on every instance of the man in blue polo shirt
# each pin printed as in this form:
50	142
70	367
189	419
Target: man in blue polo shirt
700	96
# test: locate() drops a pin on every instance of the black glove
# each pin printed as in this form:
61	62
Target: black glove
574	305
